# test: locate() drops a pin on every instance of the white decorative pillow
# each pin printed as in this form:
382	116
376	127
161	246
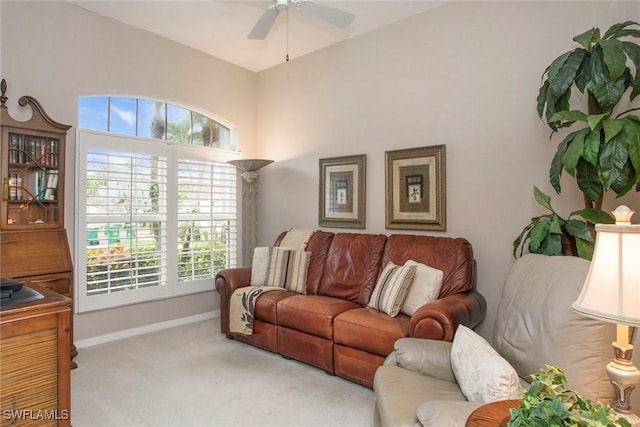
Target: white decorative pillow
288	269
391	288
482	374
424	288
259	265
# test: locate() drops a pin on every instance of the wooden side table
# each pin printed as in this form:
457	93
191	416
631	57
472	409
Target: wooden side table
492	414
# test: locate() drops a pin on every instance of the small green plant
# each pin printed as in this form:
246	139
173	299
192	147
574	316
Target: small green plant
549	403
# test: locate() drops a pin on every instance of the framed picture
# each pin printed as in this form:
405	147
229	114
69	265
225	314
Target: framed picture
342	191
416	189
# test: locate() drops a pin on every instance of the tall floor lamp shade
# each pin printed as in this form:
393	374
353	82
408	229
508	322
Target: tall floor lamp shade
249	172
612	293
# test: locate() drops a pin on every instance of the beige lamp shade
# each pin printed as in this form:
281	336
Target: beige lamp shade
612	289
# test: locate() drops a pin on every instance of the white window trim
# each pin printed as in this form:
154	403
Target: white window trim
87	138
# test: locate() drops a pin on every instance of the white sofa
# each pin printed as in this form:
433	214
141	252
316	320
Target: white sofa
535	325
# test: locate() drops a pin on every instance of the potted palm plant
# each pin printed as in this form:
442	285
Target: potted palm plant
591	89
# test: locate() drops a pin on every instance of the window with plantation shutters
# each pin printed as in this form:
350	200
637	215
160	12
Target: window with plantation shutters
155	218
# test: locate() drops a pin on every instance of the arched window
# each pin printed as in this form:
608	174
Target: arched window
157	214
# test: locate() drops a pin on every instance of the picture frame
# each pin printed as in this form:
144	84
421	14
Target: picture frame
415	183
342	191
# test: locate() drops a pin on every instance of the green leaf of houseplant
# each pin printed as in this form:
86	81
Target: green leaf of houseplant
584	249
633	52
613	156
594	216
542	199
570	117
615	29
614	57
591	147
588	180
556	164
559	83
574	152
579	229
612	127
538	233
551	245
594	120
587	38
632	131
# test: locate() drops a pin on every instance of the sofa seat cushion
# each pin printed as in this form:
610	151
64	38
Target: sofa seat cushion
265	308
400	392
313	314
370	330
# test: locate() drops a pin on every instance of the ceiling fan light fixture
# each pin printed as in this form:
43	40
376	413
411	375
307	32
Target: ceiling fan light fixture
328	14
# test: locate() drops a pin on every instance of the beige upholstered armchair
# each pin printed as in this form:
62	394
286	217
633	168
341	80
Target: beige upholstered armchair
422	382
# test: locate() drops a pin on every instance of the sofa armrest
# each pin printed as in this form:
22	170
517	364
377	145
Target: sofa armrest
227	281
439	319
438	413
428	357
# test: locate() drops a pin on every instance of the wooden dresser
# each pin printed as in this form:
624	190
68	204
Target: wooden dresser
39	258
34	361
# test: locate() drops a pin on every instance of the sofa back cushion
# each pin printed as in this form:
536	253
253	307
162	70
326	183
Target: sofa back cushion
454	256
535	324
318	245
352	266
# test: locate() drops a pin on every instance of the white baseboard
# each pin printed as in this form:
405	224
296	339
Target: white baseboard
102	339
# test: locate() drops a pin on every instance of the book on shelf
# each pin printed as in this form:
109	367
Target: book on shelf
51	186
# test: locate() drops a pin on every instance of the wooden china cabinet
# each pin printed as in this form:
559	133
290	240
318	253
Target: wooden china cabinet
33	242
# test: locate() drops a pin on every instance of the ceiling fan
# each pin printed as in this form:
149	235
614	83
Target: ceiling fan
331	15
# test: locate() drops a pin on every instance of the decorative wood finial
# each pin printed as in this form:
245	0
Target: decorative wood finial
3	88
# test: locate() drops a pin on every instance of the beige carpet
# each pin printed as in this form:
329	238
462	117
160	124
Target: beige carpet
193	376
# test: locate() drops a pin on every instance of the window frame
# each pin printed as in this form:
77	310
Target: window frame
174	152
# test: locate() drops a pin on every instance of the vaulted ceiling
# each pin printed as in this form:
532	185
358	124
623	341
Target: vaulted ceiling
220	28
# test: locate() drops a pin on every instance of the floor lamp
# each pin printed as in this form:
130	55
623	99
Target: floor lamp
612	293
249	169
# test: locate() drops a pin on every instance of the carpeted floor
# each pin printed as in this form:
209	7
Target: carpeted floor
193	376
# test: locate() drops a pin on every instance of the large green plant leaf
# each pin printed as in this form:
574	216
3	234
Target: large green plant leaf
592	147
613	156
542	98
625	180
556	164
588	180
563	80
567	118
542	199
551	245
616	29
614	57
584	249
612	127
633	52
587	38
579	229
574	152
607	93
632	132
594	216
594	120
538	233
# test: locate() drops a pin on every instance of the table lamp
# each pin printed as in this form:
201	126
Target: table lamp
612	293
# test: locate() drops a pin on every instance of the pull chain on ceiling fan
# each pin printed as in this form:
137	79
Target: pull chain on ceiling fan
331	15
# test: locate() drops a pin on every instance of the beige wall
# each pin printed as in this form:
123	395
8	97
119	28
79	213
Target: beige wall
466	75
57	52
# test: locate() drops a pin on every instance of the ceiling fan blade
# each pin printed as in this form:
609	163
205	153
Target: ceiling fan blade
332	15
264	24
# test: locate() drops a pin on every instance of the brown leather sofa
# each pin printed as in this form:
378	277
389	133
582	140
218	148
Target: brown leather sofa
331	327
